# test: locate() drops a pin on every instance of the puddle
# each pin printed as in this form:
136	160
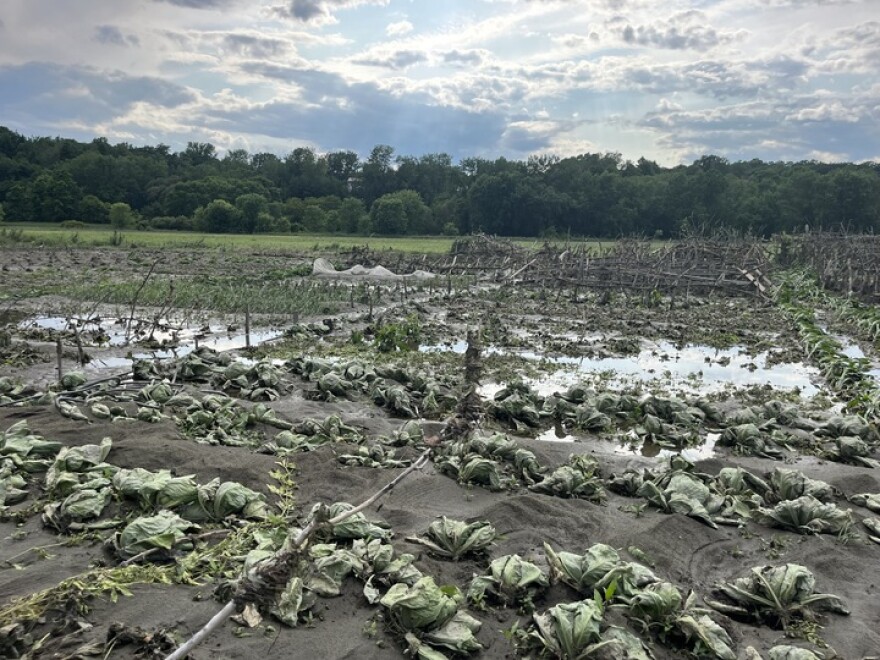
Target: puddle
183	340
851	349
634	446
652	450
695	369
556	435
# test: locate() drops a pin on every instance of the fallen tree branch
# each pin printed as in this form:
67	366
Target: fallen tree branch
281	560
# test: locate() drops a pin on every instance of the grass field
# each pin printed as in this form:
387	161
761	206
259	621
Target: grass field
54	234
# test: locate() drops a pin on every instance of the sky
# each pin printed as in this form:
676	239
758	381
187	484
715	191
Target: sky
666	80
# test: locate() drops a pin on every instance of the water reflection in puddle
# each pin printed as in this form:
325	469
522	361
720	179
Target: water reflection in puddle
635	446
652	450
693	368
556	435
216	337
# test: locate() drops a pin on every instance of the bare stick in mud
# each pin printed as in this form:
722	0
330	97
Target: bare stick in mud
59	351
276	572
137	295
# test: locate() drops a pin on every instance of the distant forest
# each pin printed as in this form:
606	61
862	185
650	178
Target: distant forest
47	179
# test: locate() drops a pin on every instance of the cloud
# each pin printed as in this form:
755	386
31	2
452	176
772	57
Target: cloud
398	28
769	78
200	4
715	78
569	40
250	45
113	36
45	97
787	129
685	30
473	57
530	136
334	113
392	59
319	11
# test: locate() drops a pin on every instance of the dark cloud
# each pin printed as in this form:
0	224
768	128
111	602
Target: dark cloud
525	138
790	129
717	78
396	59
317	11
113	36
683	31
199	4
254	46
336	114
40	96
464	57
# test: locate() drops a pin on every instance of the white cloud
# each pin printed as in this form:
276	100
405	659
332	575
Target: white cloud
772	78
318	12
398	28
685	30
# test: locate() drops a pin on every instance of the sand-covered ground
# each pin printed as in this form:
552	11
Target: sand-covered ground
732	353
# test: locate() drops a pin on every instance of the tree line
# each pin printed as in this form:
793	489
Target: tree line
53	179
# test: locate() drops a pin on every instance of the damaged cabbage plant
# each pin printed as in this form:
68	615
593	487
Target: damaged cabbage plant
576	631
374	456
495	462
429	620
219	420
789	484
661	611
210	502
775	595
852	450
455	539
22	454
679	488
751	440
310	434
596	570
200	366
580	479
258	382
517	406
357	526
323	571
870	501
12	392
510	580
157	535
656	606
807	515
404	392
82	480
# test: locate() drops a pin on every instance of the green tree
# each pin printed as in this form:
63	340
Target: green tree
418	215
120	215
377	176
251	206
92	209
19	202
314	218
55	197
351	213
268	224
218	217
388	215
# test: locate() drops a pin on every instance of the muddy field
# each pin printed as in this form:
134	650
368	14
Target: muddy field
670	443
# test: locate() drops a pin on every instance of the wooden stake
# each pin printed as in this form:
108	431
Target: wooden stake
247	325
59	351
